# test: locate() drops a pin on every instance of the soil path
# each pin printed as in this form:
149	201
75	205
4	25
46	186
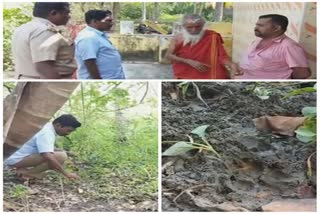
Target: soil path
53	193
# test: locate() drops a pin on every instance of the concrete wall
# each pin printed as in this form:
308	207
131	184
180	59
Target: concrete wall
137	47
225	29
152	48
302	25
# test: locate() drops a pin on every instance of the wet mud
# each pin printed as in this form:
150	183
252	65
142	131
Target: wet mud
256	167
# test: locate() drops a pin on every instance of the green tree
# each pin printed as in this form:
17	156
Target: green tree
12	18
103	110
131	10
78	9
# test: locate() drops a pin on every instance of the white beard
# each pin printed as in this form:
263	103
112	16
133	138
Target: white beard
192	39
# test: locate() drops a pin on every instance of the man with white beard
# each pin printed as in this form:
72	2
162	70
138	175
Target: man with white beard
197	53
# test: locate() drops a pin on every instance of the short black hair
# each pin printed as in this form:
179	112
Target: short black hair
67	120
42	9
278	20
96	15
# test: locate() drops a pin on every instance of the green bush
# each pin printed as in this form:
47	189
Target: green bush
170	18
103	144
12	18
131	11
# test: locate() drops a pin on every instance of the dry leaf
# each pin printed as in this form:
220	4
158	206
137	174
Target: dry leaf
279	124
80	190
291	205
173	95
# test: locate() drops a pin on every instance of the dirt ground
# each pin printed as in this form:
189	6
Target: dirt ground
256	168
134	70
96	193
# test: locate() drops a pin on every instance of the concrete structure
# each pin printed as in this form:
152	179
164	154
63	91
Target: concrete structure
302	25
152	47
126	27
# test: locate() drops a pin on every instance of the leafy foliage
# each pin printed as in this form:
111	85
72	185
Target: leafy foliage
302	91
78	9
184	88
308	132
8	87
260	91
170	18
12	18
124	144
19	191
132	10
179	148
200	131
207	10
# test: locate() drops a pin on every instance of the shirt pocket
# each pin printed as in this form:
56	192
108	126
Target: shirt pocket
66	50
270	61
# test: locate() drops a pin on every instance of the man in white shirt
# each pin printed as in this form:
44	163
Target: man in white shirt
38	155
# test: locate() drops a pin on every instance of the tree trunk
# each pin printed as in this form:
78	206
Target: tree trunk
144	11
83	7
194	8
156	12
198	7
116	11
29	107
218	13
121	125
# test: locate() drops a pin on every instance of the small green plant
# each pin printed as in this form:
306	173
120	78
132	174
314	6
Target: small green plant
262	92
182	147
184	88
19	191
302	91
308	131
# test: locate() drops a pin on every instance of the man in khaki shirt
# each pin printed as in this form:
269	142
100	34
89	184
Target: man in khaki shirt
40	50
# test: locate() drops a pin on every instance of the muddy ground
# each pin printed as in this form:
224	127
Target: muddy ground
256	168
102	191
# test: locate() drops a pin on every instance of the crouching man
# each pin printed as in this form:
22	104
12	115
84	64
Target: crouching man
38	155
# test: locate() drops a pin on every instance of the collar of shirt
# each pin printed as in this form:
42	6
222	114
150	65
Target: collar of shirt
276	40
100	33
53	129
51	27
44	21
254	51
279	38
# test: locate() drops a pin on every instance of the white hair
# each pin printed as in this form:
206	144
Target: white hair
193	18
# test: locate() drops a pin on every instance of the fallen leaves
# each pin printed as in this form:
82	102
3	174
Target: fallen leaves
291	205
80	191
279	124
12	206
108	193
